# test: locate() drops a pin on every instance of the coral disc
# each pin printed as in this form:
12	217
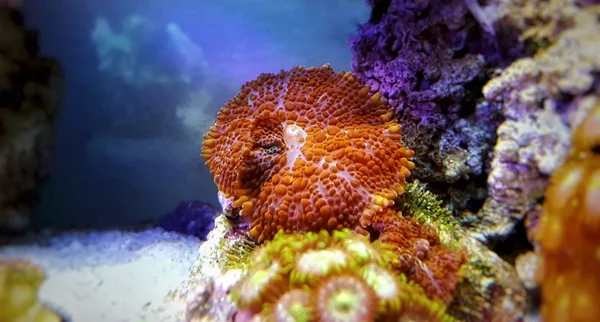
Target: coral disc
305	150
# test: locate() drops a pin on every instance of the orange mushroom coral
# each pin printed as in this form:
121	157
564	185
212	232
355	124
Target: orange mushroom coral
309	150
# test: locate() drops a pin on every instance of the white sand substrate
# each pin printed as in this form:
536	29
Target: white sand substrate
112	275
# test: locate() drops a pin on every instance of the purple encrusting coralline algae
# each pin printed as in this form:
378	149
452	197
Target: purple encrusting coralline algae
430	60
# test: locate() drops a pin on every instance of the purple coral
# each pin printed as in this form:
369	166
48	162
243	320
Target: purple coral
192	218
430	59
415	53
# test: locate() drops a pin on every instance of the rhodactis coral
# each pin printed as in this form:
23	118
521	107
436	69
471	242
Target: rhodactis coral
569	232
309	149
329	277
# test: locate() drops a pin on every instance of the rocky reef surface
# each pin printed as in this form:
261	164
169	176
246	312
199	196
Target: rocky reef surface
542	99
486	95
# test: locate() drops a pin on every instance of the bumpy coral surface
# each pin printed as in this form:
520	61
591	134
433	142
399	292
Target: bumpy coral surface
19	283
309	149
490	289
329	277
29	103
569	232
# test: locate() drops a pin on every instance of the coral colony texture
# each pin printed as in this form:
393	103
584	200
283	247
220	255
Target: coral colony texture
489	291
569	232
29	103
310	150
330	277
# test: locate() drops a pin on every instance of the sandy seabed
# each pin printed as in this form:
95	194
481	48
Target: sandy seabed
113	275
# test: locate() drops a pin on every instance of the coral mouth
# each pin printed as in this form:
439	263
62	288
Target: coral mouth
294	138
